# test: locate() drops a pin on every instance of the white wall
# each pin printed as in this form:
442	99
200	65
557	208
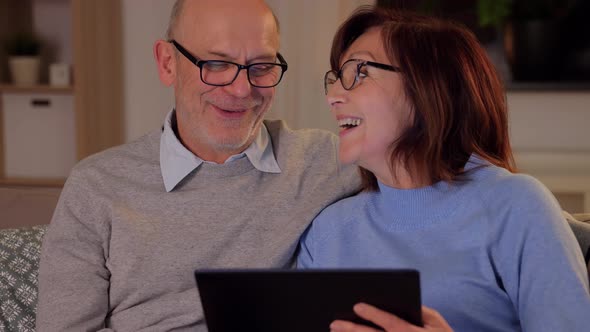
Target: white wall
307	28
55	33
146	100
549	135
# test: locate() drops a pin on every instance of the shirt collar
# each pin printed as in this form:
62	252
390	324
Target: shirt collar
176	161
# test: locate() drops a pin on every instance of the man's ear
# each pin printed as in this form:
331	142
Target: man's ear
166	62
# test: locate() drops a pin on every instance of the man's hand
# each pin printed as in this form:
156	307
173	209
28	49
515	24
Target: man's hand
433	321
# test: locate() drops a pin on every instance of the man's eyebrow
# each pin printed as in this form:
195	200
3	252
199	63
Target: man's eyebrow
260	58
219	54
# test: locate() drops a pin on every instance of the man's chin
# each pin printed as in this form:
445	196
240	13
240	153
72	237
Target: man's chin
232	144
230	139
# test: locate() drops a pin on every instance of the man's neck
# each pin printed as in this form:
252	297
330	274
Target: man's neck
209	153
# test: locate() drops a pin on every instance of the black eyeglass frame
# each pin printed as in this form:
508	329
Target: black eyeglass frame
200	63
360	64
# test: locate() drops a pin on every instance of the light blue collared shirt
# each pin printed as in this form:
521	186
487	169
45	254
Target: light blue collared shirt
176	161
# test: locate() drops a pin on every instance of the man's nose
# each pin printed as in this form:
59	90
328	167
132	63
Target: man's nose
240	87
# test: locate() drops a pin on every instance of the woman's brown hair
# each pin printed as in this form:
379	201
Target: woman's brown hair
458	99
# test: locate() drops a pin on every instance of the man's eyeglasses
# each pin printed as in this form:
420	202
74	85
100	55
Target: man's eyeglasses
221	73
351	72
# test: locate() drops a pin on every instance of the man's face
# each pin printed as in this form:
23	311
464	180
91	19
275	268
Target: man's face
217	122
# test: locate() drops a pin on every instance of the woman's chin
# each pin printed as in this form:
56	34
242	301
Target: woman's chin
346	159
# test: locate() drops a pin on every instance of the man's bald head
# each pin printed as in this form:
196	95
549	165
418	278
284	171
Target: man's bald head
176	13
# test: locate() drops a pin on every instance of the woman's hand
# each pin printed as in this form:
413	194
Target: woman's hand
433	321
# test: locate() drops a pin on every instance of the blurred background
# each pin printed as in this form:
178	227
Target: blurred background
97	84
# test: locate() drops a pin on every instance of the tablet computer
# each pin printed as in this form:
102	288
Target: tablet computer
265	300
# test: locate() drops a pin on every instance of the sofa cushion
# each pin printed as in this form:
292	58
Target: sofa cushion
19	263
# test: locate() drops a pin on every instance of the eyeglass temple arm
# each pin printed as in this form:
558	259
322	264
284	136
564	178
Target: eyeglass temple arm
184	52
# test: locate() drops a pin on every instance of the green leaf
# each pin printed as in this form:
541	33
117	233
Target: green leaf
23	44
493	12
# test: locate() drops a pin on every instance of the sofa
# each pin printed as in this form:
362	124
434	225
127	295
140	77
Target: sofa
19	263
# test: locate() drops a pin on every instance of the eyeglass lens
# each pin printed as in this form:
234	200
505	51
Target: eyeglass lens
348	75
259	74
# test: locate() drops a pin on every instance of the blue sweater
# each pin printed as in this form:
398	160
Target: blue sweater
494	252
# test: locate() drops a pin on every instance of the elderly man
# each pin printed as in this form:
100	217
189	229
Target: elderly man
217	187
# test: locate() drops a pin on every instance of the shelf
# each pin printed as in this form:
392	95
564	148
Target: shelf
557	86
36	89
82	34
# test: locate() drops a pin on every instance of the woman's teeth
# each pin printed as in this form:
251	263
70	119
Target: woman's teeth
349	123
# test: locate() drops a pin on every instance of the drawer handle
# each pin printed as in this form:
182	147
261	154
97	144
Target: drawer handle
40	102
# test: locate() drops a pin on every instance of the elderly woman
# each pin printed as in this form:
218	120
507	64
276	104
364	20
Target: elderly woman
423	114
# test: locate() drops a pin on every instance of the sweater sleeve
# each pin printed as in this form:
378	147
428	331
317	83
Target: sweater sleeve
539	261
73	277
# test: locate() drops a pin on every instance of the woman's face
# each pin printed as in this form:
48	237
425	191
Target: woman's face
373	114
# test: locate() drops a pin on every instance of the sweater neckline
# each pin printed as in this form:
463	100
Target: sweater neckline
233	168
419	207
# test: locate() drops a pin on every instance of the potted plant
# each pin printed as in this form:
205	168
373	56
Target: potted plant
481	16
23	52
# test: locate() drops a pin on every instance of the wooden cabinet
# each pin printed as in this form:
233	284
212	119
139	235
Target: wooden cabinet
39	135
38	123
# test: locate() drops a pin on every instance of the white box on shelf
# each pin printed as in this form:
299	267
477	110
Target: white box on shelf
39	135
59	74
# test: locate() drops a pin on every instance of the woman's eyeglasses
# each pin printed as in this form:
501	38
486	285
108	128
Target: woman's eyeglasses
351	72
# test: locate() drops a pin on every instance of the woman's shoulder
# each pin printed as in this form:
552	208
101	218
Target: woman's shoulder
342	211
508	195
495	183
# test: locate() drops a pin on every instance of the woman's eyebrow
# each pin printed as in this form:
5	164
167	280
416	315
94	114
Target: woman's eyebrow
357	53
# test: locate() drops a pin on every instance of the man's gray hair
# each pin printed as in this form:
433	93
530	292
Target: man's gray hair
177	10
174	16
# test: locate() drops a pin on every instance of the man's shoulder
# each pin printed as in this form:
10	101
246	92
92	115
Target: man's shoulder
142	150
309	139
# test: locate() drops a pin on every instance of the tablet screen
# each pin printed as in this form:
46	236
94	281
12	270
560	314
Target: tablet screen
266	300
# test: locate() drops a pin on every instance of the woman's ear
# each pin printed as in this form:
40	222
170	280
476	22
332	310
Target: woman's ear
166	61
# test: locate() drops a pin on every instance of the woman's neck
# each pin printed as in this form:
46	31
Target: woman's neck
399	176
